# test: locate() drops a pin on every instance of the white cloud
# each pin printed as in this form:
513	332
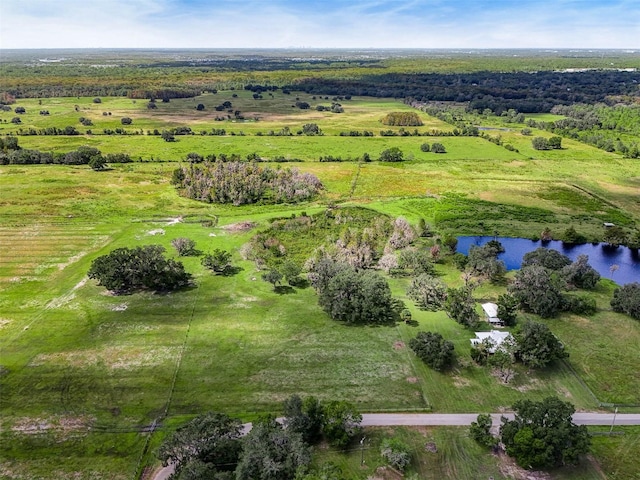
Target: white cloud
371	23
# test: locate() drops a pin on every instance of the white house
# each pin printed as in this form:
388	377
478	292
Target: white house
496	337
491	312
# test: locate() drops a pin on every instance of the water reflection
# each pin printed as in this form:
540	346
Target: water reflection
620	264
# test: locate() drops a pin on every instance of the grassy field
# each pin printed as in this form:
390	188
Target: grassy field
455	456
74	356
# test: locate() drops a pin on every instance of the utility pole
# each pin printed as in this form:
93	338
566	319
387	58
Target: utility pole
362	451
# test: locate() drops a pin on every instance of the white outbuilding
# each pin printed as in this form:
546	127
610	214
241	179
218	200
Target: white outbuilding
491	313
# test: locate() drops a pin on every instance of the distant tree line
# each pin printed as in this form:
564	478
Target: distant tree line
498	91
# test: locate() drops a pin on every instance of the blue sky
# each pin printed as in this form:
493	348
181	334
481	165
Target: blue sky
319	24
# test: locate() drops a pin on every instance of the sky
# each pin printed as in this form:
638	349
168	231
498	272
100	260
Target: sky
319	24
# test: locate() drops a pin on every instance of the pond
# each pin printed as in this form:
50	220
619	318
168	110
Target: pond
602	257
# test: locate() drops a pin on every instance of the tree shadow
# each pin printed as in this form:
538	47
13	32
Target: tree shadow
284	290
230	271
299	282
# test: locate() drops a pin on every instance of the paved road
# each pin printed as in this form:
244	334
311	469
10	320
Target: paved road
456	419
390	419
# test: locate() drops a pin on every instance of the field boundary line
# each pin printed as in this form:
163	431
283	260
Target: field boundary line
139	471
425	399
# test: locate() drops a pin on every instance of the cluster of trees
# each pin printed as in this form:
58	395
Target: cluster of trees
334	108
542	143
164	94
542	434
544	276
357	133
213	446
402	119
12	154
599	125
435	148
240	183
128	269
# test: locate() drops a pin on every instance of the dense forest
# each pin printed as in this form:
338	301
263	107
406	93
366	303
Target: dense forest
526	92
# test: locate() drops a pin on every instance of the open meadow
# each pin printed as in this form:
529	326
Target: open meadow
91	381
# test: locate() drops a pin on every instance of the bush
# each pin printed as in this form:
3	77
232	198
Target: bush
126	121
396	453
580	304
393	154
97	100
425	147
184	246
572	237
540	143
438	148
480	431
626	299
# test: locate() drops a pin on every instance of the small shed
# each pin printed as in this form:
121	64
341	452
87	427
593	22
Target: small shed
491	313
495	336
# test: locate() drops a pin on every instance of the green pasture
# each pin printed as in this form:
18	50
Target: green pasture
74	356
456	456
260	116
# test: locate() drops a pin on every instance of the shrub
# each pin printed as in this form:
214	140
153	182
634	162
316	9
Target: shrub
396	453
480	431
393	154
540	143
626	299
438	148
126	121
184	246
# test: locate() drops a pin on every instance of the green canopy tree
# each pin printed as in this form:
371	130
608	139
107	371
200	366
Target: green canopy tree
433	350
537	346
543	435
208	443
271	452
127	269
626	299
537	291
